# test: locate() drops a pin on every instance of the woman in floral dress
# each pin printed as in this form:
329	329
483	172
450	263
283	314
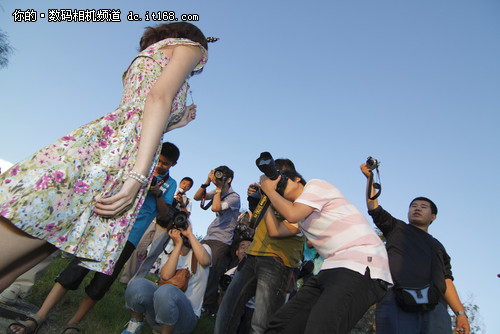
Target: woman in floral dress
82	193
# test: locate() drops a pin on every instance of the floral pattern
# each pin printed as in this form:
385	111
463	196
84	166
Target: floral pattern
51	195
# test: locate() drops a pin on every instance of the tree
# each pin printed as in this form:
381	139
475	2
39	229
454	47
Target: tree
475	320
5	49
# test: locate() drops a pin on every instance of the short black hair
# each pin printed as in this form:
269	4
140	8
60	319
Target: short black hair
287	167
434	208
170	151
187	178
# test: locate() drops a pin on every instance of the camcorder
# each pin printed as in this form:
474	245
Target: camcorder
372	163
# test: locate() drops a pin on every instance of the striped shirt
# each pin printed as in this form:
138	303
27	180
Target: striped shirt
340	233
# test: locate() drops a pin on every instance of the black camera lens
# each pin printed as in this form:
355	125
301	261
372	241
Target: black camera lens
180	220
218	174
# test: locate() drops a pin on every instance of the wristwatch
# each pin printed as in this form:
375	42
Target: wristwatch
217	191
461	312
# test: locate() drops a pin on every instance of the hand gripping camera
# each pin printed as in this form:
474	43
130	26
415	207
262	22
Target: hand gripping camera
372	164
267	166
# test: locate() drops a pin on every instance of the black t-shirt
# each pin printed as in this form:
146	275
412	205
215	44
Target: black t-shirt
415	257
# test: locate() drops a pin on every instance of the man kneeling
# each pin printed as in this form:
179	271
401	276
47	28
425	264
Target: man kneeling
167	307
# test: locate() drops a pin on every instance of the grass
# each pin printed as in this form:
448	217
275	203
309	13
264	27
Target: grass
108	316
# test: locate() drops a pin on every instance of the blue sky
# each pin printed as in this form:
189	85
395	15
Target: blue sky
325	83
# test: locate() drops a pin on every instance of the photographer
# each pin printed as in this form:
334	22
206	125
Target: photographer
166	308
418	262
266	273
159	235
355	271
225	203
161	195
242	246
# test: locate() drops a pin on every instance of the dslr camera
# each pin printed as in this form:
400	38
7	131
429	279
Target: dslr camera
219	175
179	221
224	282
266	165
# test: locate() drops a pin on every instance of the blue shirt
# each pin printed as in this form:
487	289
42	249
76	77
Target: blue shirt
149	211
222	228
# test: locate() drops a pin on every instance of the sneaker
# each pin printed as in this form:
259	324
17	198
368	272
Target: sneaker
134	327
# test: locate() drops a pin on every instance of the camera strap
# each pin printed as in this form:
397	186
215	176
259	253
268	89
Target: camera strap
376	185
257	214
203	198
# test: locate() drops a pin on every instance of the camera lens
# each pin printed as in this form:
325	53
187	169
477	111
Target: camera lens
218	174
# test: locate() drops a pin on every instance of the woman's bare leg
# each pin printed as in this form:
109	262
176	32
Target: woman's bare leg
19	252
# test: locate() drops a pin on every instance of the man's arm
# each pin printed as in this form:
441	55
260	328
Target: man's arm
371	204
169	268
293	212
278	229
453	300
199	251
164	199
203	189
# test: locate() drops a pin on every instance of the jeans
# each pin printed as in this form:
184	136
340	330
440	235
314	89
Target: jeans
161	305
330	302
220	261
391	319
268	279
155	251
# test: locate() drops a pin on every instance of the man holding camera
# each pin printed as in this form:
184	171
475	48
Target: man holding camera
158	236
160	196
420	268
225	203
268	270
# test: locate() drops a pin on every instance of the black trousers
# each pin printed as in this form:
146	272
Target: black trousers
73	275
331	302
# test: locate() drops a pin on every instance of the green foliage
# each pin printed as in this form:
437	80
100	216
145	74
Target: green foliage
5	49
108	316
475	320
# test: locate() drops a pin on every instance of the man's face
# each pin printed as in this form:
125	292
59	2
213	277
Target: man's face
420	214
242	249
185	185
163	165
293	189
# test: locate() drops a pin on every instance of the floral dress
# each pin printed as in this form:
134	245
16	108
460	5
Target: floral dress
52	194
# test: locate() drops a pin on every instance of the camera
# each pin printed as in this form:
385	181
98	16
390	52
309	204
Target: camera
372	163
219	174
180	220
266	164
224	282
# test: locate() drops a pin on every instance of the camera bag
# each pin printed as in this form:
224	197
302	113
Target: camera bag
416	299
181	276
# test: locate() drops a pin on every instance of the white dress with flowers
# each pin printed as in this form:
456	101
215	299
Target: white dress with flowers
52	194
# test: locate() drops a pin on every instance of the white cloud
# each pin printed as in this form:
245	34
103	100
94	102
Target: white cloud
4	165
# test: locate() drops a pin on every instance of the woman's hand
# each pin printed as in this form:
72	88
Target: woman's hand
116	204
189	115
